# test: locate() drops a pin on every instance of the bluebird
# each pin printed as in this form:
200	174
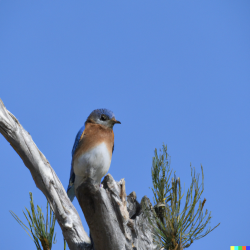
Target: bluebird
92	150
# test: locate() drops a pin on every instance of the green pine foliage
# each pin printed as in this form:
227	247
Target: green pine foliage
176	227
42	230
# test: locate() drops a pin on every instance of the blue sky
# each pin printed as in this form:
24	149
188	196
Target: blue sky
173	72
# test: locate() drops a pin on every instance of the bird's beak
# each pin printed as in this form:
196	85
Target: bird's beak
115	121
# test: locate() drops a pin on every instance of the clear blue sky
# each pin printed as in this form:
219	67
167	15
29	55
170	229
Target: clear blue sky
176	72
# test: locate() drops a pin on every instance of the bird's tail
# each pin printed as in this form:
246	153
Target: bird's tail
71	192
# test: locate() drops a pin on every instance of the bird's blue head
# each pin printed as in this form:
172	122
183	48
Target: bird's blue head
104	117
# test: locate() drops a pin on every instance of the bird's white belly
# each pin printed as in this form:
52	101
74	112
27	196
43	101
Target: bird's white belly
94	164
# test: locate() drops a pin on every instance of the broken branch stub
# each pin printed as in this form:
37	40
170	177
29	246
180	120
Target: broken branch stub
116	222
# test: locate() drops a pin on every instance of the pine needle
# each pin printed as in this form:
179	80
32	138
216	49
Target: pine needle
41	231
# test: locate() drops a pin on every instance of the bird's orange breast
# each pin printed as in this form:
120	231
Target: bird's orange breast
92	136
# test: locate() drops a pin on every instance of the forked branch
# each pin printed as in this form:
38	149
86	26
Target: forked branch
116	222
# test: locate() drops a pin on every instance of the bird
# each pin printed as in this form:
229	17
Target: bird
92	150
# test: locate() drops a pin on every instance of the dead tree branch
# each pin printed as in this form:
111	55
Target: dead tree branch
46	180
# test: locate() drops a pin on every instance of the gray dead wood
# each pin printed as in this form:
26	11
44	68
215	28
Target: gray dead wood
116	222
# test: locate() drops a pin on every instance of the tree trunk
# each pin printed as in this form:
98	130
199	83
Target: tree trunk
116	222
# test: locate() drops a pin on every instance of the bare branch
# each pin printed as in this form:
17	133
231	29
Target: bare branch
46	180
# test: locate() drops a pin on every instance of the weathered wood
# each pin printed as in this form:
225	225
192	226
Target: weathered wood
116	222
110	217
101	216
46	180
133	205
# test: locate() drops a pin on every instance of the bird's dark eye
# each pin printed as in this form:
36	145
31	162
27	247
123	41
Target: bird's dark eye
103	117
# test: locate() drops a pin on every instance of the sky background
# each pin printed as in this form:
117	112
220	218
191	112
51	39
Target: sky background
173	72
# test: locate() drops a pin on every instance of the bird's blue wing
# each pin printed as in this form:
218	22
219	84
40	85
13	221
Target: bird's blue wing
71	189
78	137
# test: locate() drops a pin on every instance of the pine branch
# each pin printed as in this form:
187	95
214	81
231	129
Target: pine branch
176	229
42	231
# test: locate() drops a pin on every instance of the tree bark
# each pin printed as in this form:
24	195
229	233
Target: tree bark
116	222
